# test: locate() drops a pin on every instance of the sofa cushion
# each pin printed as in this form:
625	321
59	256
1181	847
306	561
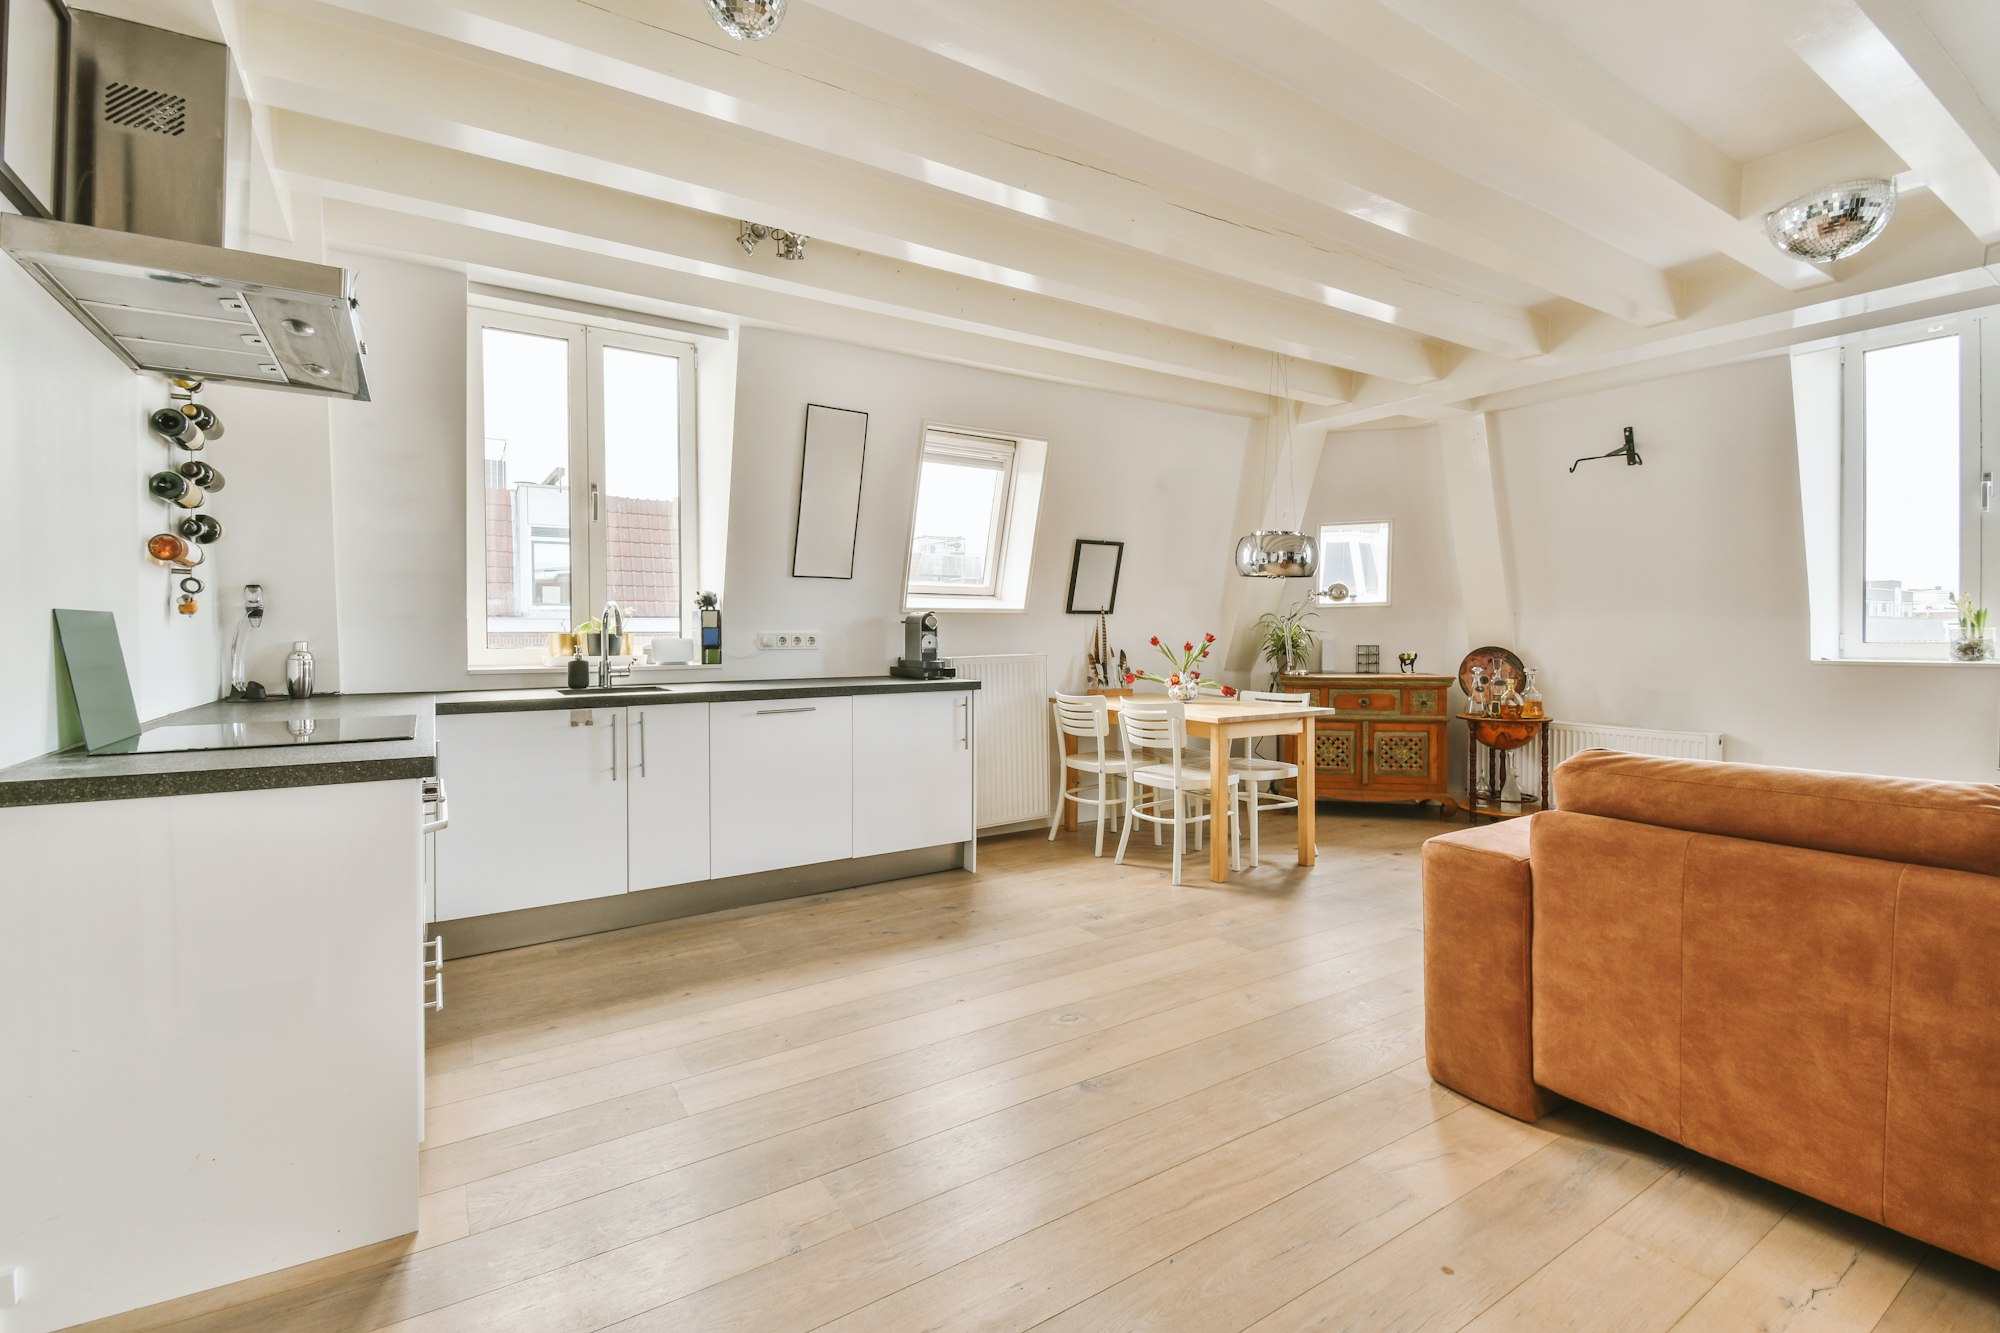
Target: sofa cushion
1785	1016
1949	825
1607	965
1477	932
1944	1064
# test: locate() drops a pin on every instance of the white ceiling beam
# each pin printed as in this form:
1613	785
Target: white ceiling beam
1883	60
566	128
1211	117
607	280
1934	267
1485	90
835	107
341	161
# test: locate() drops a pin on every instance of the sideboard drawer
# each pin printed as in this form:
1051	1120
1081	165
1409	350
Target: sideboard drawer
1425	701
1385	702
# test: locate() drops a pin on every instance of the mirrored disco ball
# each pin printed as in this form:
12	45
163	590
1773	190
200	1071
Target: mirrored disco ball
748	20
1832	223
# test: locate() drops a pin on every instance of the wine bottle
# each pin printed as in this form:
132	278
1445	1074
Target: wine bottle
191	498
203	474
169	485
204	419
201	528
167	549
176	427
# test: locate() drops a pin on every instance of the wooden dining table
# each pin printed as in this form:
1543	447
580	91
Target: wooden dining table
1223	721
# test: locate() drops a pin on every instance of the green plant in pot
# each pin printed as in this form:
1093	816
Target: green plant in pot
1971	638
1289	638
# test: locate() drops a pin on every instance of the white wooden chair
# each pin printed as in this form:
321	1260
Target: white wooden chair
1085	717
1150	731
1255	774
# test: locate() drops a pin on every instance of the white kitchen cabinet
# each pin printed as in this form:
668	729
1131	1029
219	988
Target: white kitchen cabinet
215	1043
665	753
537	810
781	778
912	771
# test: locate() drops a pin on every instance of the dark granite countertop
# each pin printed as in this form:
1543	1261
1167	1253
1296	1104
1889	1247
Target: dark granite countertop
72	775
694	692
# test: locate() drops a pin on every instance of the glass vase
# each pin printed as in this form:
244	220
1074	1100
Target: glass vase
1971	645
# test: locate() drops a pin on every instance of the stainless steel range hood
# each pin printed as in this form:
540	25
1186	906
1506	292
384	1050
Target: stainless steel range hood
146	153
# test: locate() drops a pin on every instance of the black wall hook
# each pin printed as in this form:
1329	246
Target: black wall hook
1628	451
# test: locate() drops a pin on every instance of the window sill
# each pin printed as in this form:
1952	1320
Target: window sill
1900	662
953	605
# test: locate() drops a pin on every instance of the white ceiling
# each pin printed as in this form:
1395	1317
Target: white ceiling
1423	207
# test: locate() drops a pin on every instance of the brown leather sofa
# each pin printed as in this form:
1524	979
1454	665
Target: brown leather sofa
1797	973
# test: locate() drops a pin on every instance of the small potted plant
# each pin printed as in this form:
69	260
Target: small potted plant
1184	681
1971	637
1289	638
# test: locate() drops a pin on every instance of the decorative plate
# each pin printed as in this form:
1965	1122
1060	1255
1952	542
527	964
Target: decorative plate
1492	659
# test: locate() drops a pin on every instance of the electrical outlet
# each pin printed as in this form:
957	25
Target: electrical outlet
788	640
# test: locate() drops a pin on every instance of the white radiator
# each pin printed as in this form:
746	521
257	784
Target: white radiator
1569	738
1010	712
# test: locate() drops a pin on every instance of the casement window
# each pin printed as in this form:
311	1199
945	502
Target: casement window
581	486
973	526
1354	564
1916	521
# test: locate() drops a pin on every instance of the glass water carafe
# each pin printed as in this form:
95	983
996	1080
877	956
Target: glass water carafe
1531	698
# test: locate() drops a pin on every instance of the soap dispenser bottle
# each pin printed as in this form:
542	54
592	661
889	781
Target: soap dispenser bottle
579	670
299	671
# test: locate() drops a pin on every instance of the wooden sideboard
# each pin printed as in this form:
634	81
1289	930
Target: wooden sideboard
1387	742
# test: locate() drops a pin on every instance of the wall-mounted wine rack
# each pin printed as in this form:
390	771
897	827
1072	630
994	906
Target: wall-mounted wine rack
185	427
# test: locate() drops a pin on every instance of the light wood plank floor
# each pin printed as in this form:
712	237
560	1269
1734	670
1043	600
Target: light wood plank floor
1061	1095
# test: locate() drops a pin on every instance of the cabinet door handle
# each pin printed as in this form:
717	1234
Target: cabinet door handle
614	748
772	712
965	724
441	804
642	743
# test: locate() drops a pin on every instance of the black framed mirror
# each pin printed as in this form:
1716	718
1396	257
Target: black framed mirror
1093	577
829	521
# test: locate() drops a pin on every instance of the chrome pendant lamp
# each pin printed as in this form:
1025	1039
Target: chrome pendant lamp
747	20
1280	553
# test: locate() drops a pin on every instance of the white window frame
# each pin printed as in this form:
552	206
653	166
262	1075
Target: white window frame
1021	460
1388	527
1979	550
589	574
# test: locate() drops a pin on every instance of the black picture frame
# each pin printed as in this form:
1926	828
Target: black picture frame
805	468
1075	566
17	190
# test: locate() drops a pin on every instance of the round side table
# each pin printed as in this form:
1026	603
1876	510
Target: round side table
1497	736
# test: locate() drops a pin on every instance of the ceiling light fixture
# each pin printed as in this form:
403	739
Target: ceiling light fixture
747	20
1279	553
791	244
1833	223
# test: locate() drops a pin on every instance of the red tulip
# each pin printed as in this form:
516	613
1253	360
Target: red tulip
1174	679
1129	678
1208	638
1229	691
1194	675
1155	640
1187	647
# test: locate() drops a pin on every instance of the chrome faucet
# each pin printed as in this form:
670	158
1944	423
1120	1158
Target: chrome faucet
611	622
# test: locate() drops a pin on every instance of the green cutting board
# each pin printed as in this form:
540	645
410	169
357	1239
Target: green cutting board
97	677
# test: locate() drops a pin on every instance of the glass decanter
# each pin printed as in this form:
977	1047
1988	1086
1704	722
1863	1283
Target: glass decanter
1510	699
1531	698
1476	694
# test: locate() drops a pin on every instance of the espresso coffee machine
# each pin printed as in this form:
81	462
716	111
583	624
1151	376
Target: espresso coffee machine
920	649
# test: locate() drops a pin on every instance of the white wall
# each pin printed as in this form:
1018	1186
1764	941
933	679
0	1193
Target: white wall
1162	479
1674	594
76	453
1396	475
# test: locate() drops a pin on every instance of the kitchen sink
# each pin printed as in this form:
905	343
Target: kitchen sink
609	690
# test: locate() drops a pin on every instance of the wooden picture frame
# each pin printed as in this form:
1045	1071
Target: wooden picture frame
35	38
832	460
1089	577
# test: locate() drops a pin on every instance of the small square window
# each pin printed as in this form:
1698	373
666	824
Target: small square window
1354	564
974	520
